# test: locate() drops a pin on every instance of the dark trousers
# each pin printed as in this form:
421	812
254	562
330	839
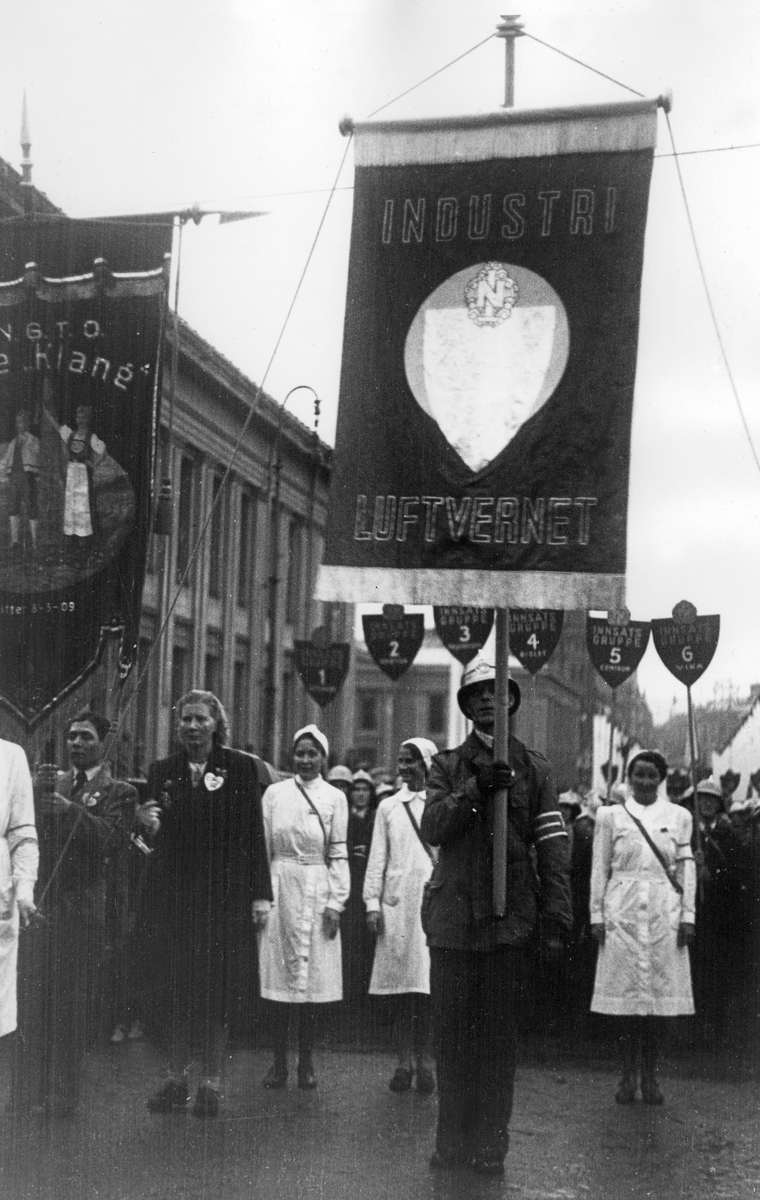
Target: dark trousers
58	998
279	1017
474	1002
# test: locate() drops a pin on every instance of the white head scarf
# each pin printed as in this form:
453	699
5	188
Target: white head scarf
426	748
312	732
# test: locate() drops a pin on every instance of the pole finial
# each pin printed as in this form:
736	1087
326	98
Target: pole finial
510	28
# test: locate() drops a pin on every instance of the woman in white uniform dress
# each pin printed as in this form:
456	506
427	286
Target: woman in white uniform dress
305	822
19	857
399	866
642	917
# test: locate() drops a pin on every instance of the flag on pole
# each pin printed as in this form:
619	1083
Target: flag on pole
490	340
81	315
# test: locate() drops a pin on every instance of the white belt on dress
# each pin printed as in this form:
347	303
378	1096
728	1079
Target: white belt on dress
306	860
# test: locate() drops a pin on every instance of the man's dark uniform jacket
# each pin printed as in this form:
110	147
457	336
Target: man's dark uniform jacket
459	910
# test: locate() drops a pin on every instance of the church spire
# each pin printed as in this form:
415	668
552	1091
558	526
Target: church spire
26	162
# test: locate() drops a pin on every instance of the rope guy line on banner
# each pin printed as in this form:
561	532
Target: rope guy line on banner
710	305
228	470
580	63
427	78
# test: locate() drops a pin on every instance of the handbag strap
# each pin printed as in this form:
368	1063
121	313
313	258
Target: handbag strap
317	814
655	850
417	830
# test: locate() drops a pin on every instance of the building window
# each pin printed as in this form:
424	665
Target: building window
368	710
294	573
288	705
180	672
212	674
142	748
239	714
185	530
216	540
163	458
245	556
437	713
213	663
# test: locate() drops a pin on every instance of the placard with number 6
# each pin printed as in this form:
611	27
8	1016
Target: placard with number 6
394	638
686	643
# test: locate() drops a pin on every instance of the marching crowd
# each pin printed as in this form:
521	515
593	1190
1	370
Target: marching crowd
168	914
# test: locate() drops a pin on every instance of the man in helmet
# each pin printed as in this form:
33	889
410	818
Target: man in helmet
475	957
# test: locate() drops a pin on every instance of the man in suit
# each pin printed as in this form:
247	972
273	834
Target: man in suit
84	816
475	957
207	881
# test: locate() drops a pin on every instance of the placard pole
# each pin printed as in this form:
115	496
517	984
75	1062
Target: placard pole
693	753
613	715
501	754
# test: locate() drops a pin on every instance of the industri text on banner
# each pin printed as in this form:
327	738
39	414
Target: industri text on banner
483	437
81	317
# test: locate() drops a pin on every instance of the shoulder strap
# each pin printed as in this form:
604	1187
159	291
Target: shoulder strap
417	830
317	814
655	850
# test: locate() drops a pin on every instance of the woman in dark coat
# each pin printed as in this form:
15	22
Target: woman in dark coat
358	943
206	884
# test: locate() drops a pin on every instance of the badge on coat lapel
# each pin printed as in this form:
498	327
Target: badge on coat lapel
213	782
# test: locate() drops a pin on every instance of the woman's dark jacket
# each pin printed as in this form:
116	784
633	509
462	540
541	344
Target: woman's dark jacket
208	865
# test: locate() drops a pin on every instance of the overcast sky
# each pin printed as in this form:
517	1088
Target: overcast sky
142	104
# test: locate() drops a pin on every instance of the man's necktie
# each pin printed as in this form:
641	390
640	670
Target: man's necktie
80	783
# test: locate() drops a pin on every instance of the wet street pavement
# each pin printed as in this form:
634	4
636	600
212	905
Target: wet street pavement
353	1139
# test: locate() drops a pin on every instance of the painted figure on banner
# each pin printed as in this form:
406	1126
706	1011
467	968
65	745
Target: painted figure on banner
20	469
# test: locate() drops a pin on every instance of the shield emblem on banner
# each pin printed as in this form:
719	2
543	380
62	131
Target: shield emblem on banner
686	647
616	649
484	353
393	640
534	634
322	667
463	629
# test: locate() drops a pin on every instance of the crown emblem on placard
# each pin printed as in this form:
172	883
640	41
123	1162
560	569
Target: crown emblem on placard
490	295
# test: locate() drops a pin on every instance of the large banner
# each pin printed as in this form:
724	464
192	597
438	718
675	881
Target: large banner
489	356
81	316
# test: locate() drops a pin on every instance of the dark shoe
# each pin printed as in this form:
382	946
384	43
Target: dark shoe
307	1080
425	1082
206	1102
276	1076
626	1093
487	1164
172	1097
402	1080
650	1092
446	1162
